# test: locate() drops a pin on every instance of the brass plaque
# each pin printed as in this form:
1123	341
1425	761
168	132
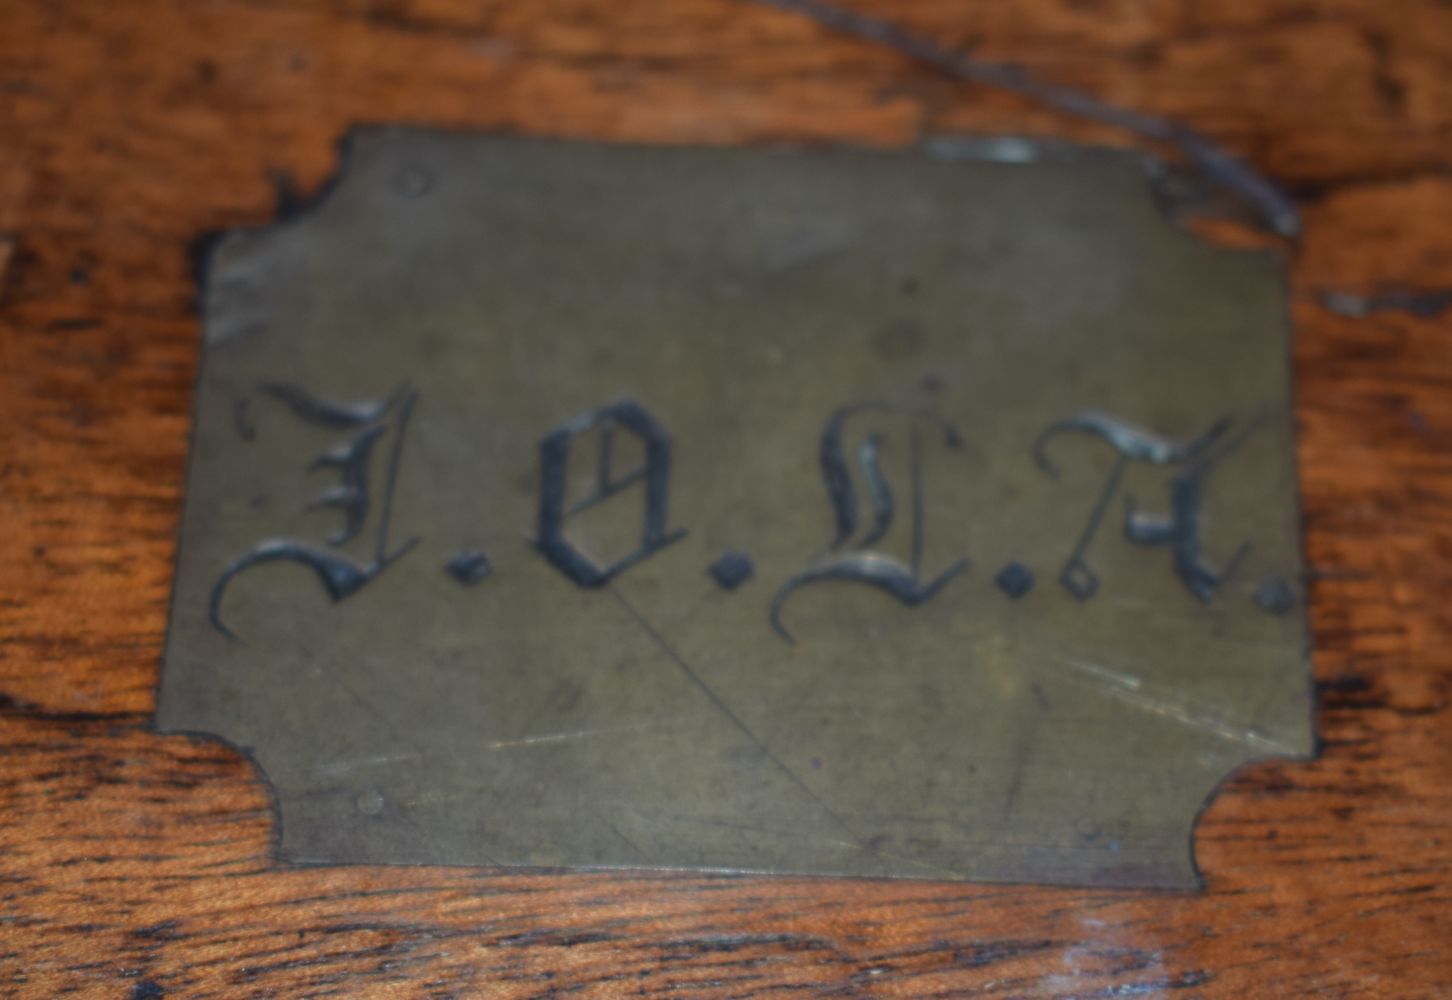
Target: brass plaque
840	512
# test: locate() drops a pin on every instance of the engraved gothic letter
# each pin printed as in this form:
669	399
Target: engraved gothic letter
904	581
339	575
554	453
1180	528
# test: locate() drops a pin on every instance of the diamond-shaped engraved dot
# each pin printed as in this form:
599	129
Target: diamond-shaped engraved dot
469	567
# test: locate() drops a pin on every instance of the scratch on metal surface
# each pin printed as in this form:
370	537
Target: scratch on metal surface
435	798
731	716
566	737
1131	690
1128	682
341	767
627	841
1278	211
805	247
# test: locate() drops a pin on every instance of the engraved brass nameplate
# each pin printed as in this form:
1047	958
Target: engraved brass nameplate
835	512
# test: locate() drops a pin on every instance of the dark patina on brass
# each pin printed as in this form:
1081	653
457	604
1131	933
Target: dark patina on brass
839	512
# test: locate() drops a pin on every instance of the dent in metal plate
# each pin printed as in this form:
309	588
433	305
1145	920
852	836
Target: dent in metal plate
566	504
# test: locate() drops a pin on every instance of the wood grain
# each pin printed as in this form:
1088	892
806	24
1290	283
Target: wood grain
134	865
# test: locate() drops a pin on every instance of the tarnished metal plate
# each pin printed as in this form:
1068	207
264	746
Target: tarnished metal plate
826	512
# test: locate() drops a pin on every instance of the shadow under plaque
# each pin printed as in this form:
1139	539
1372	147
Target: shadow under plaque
841	512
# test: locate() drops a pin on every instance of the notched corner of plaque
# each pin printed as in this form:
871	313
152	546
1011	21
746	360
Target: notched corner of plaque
1300	754
1300	745
205	736
1207	211
235	269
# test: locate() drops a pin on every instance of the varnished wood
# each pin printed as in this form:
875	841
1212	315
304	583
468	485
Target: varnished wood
133	865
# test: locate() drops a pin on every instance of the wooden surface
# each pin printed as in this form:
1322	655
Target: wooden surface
133	865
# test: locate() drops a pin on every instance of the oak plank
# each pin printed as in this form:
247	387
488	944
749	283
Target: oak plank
138	865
